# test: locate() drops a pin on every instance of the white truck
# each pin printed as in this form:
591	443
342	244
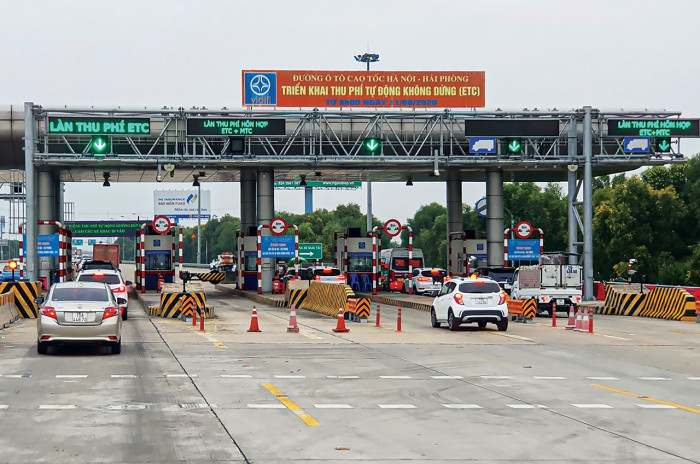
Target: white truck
552	281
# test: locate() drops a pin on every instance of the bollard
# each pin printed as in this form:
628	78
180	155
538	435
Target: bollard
377	323
194	318
201	321
398	321
554	314
590	322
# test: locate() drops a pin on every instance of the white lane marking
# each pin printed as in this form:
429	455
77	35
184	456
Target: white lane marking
592	405
521	406
58	406
236	376
266	406
70	381
343	376
71	376
310	335
653	378
693	378
462	406
442	377
124	376
289	376
656	406
180	375
128	407
395	377
14	376
616	338
4	406
396	406
602	378
332	406
548	378
499	377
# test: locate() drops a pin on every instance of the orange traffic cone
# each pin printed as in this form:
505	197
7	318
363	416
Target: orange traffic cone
579	321
254	322
586	321
292	327
572	319
340	328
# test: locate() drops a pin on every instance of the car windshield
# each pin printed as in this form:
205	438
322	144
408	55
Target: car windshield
80	294
479	287
104	278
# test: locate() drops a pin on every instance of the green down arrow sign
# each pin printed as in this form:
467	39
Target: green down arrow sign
663	145
514	146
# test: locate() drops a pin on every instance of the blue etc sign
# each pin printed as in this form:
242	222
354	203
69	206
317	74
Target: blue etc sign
277	247
523	250
46	244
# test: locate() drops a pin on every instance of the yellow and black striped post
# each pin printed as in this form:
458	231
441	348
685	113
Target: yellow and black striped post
25	293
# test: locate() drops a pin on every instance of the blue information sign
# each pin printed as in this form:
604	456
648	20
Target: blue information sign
523	250
47	244
277	247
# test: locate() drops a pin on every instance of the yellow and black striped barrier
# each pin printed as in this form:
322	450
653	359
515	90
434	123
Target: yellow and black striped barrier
362	308
294	297
523	310
326	298
25	293
213	277
622	304
669	303
182	304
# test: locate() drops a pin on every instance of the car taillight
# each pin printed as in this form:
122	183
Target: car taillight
109	312
446	278
459	298
120	289
49	311
502	298
340	278
317	277
423	279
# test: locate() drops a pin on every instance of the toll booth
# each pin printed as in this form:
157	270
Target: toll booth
353	256
157	254
464	253
247	268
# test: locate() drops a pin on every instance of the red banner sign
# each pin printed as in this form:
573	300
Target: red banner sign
364	89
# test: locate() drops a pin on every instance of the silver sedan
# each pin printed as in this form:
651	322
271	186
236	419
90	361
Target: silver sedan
79	312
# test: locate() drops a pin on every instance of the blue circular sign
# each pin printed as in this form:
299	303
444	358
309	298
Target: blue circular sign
481	207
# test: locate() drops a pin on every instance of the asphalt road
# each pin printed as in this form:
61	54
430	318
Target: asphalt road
628	394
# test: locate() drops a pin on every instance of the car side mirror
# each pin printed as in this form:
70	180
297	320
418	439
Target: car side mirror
39	300
121	301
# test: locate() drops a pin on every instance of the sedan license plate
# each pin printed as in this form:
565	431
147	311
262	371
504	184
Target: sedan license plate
480	301
80	317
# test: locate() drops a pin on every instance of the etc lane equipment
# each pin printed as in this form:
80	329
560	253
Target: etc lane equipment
530	145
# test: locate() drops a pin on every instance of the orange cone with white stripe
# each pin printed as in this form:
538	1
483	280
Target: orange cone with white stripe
292	327
586	321
254	322
340	328
579	321
572	319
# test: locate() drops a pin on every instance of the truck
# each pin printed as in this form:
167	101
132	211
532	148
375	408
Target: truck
551	281
104	252
395	266
226	262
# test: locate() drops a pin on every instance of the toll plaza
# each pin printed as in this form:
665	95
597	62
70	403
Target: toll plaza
464	253
158	251
353	256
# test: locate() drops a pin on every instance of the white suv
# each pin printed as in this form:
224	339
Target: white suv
426	280
467	299
111	277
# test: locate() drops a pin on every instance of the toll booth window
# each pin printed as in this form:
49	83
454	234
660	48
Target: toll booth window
160	261
360	263
251	262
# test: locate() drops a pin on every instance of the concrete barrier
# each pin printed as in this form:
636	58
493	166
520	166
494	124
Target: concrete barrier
8	312
672	303
326	298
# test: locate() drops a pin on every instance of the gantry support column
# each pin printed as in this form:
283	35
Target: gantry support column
494	220
248	200
588	205
572	192
48	209
266	212
454	202
30	226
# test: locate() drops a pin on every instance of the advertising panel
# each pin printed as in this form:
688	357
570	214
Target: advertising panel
523	250
181	204
364	89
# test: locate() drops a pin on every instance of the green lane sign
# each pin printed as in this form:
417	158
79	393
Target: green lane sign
77	241
654	127
99	145
372	146
99	126
224	127
319	185
310	251
663	145
514	146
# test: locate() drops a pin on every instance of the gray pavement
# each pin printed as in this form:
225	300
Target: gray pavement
628	393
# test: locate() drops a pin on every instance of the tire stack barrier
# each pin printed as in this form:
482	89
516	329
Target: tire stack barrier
523	311
25	293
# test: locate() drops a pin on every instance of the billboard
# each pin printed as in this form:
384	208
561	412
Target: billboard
364	89
181	204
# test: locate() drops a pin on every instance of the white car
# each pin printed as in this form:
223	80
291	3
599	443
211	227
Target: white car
426	280
111	277
468	299
325	274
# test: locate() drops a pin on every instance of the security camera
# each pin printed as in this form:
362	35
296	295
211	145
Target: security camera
169	167
159	178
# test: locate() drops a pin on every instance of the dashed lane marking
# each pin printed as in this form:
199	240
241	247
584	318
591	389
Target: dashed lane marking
517	337
310	335
58	406
548	378
653	400
128	407
180	375
332	406
71	376
236	376
396	406
496	377
521	406
290	376
602	378
442	377
16	376
462	406
124	376
693	378
4	406
616	338
656	406
343	376
289	404
653	378
266	406
591	405
395	377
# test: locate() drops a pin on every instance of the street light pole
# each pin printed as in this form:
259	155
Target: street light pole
368	58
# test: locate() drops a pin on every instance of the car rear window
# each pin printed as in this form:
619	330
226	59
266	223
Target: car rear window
479	287
104	278
327	271
80	294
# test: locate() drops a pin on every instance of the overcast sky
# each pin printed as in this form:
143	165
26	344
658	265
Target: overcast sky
545	54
